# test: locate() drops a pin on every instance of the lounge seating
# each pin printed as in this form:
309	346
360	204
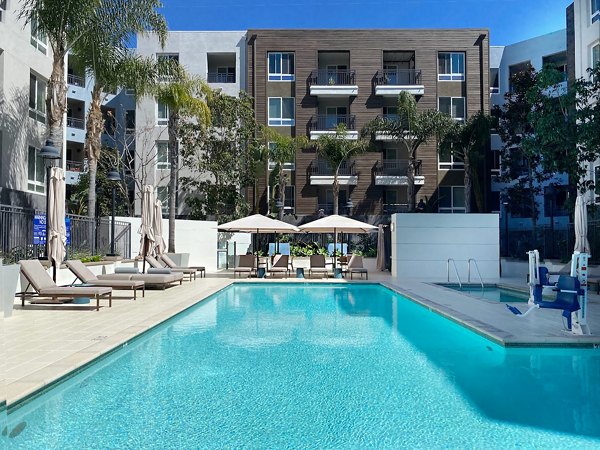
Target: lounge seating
86	276
355	265
280	265
317	265
44	286
155	264
171	264
246	265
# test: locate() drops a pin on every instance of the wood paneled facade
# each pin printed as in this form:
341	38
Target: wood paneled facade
365	49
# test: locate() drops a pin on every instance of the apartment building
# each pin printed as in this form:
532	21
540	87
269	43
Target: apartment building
505	61
219	57
306	82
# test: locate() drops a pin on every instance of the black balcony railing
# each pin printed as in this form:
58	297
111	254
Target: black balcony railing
322	168
328	122
73	122
214	77
326	77
75	80
400	77
394	208
396	167
76	166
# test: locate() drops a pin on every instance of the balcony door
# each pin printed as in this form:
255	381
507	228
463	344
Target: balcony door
337	74
335	115
391	73
342	200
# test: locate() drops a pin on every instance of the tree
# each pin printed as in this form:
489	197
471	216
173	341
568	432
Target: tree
282	149
411	129
469	141
220	157
336	149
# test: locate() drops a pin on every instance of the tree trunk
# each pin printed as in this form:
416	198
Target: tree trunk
281	192
410	189
56	98
174	163
336	193
93	144
468	184
533	208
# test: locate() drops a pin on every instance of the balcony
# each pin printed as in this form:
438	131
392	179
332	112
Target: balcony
395	208
382	135
321	174
327	83
326	124
75	80
216	77
75	129
390	83
74	170
393	172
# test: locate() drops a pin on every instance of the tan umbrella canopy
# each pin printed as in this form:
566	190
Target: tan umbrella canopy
146	227
381	249
160	245
57	238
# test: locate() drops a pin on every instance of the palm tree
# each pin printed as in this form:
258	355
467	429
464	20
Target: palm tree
67	23
468	141
282	149
335	149
184	96
411	129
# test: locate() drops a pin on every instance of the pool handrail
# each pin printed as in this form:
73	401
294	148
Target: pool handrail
478	272
455	270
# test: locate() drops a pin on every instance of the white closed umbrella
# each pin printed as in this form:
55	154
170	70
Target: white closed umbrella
160	245
57	238
381	256
147	225
582	244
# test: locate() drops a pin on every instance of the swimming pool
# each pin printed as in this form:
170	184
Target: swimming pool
494	293
319	366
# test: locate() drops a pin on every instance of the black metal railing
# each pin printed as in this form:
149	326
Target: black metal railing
395	208
214	77
322	168
76	123
396	167
75	80
327	77
399	77
329	122
88	236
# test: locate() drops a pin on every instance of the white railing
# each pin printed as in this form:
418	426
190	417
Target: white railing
474	261
455	271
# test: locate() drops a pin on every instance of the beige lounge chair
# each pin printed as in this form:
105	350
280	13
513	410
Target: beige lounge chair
156	264
317	265
355	265
44	286
246	264
84	274
280	265
171	264
159	280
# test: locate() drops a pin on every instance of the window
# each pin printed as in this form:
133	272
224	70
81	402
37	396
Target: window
36	173
162	155
2	9
515	70
335	115
451	66
450	162
289	203
281	67
162	194
291	165
167	57
38	37
37	98
225	75
595	55
595	10
281	111
390	112
555	201
162	113
130	121
452	199
129	91
453	106
494	81
597	182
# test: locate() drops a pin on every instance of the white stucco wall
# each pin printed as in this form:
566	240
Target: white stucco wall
195	237
422	244
587	34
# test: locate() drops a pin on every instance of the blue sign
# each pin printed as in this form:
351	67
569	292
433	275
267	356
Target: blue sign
39	229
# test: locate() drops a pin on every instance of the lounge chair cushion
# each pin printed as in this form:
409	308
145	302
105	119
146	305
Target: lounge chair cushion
81	271
127	270
163	271
115	283
75	291
157	278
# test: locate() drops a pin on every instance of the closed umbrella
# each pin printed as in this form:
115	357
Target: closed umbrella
380	249
146	227
159	242
57	239
582	244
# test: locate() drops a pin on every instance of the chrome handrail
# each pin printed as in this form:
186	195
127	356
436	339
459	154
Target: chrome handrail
478	272
455	270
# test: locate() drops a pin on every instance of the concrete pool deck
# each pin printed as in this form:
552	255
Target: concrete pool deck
45	343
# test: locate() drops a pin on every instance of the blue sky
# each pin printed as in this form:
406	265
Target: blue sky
509	21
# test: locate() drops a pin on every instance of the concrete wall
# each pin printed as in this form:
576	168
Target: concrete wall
197	238
422	244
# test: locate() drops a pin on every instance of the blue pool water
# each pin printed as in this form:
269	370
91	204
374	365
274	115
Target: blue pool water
319	366
496	294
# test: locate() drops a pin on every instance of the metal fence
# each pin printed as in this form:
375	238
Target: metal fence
89	236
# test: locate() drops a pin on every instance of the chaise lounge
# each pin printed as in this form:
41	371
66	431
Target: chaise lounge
355	265
280	265
86	276
246	265
155	264
317	265
171	264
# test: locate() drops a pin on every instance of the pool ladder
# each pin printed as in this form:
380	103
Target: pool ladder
470	261
451	260
474	261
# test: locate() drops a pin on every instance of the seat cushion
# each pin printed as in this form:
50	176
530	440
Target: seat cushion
76	291
118	283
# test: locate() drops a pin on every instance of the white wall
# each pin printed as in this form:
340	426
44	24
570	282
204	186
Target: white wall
422	244
198	238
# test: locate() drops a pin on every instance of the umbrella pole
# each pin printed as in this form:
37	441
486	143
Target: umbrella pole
144	252
256	251
54	270
334	248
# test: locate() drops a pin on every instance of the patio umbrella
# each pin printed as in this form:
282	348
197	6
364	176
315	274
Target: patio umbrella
337	224
380	249
57	239
159	242
582	244
258	224
146	227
